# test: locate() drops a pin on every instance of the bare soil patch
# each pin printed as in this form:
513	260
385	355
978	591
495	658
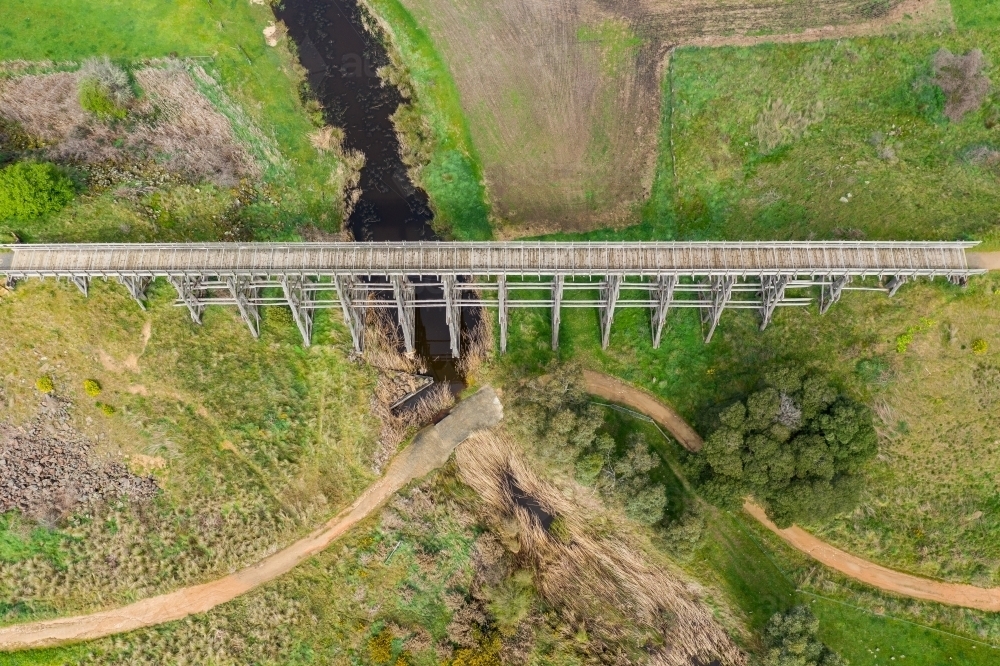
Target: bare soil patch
48	469
563	98
172	124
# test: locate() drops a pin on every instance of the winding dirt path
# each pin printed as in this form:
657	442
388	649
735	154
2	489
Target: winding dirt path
907	585
430	449
615	390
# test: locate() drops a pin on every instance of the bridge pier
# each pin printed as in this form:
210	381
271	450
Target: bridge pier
772	292
895	283
452	313
299	301
353	317
502	310
722	291
136	286
82	283
245	296
830	292
609	294
558	285
187	287
663	298
405	295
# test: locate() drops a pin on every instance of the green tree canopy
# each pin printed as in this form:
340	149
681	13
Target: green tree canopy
797	446
30	189
791	641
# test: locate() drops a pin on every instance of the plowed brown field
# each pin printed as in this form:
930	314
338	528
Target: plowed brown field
563	96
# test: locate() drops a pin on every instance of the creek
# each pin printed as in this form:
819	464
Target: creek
342	59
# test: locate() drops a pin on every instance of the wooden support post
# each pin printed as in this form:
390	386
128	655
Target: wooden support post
895	283
558	281
609	295
831	291
452	313
352	318
405	295
186	287
299	301
722	291
245	295
136	286
663	298
82	283
772	292
502	310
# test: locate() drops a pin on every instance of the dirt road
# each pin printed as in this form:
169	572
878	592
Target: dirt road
615	390
954	594
429	450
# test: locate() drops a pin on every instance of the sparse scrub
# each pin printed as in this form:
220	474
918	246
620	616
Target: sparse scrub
962	80
32	189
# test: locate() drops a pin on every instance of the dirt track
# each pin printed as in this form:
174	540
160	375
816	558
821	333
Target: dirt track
954	594
611	388
429	450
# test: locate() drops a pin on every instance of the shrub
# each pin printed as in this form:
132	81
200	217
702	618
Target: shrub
44	384
106	409
92	387
380	647
962	80
791	639
104	88
30	189
796	445
980	346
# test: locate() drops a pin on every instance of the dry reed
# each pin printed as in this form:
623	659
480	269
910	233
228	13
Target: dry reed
599	581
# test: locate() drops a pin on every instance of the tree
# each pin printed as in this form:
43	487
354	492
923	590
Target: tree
791	639
30	189
796	445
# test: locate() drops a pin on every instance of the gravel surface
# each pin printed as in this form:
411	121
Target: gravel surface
48	469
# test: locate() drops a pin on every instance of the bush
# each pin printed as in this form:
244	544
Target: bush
791	641
796	445
94	99
980	346
44	384
92	387
104	89
106	409
31	189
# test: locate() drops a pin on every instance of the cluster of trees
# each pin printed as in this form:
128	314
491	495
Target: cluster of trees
797	446
554	418
30	189
791	640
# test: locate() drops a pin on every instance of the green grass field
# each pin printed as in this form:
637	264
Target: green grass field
453	178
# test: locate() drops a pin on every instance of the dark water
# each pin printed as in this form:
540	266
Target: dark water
342	59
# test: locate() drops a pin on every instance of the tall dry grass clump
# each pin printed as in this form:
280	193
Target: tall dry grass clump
600	581
780	124
962	80
477	345
107	77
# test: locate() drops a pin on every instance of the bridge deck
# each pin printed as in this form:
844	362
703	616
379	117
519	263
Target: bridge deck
488	259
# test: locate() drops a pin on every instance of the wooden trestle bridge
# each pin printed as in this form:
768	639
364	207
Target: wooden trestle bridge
353	277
